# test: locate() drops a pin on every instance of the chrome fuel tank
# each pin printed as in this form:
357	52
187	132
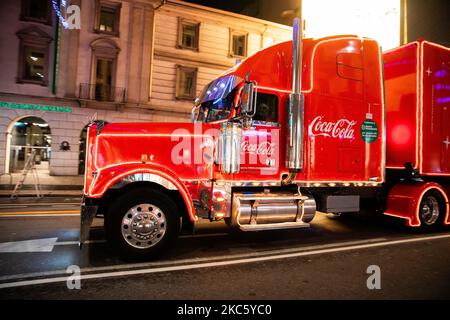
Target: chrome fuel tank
271	208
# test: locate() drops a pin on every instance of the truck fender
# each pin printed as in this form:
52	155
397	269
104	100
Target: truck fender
404	200
447	217
109	176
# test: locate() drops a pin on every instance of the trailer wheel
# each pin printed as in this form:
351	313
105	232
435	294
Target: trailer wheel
431	210
142	224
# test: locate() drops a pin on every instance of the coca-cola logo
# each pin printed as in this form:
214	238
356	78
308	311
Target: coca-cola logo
342	128
261	149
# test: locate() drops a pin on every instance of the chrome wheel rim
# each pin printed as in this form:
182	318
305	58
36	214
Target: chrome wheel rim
143	226
430	210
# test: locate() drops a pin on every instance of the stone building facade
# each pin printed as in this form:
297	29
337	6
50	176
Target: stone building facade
131	60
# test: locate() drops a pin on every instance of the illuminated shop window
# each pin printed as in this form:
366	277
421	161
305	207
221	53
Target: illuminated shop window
28	134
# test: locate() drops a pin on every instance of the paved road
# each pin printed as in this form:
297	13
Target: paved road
327	261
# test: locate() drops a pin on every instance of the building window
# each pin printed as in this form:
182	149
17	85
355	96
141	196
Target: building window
103	79
102	86
36	10
34	63
188	34
107	17
33	56
238	44
186	83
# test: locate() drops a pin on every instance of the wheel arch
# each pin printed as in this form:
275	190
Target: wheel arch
114	181
404	200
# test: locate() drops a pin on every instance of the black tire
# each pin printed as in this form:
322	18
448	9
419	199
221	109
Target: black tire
232	229
163	233
431	211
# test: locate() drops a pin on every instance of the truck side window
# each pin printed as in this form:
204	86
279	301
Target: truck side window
266	108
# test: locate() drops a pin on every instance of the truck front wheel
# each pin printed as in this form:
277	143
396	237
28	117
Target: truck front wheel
142	223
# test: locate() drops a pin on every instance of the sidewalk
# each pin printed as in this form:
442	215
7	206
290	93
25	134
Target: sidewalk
51	186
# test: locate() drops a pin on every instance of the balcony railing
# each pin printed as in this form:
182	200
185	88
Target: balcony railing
100	92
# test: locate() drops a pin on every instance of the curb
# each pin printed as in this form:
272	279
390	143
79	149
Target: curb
44	193
44	187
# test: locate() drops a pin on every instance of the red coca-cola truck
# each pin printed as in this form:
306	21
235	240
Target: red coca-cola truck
303	126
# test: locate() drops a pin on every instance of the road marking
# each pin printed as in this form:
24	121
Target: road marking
41	213
37	245
184	261
221	263
40	204
9	246
31	208
71	243
203	235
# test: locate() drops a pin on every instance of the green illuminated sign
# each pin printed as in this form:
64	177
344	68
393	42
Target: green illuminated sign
26	106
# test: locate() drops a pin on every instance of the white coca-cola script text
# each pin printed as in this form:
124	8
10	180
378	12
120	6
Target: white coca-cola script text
261	149
342	128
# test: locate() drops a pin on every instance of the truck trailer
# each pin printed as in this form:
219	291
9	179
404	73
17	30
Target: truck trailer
417	86
302	126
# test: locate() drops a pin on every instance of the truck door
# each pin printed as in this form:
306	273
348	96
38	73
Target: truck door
444	101
260	149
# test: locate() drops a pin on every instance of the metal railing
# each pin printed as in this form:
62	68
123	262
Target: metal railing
101	92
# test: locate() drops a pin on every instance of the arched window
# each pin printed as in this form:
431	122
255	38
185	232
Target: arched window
25	135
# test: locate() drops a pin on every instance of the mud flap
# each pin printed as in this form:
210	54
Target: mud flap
86	217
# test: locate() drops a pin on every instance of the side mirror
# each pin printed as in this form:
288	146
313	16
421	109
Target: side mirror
248	99
195	109
194	113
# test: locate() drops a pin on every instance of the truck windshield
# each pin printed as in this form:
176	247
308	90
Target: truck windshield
216	100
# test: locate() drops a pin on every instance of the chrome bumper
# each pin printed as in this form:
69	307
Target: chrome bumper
86	217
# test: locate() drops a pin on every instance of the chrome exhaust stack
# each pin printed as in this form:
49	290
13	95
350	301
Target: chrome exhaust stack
296	102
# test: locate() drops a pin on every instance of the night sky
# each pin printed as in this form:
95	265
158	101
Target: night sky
427	19
430	20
